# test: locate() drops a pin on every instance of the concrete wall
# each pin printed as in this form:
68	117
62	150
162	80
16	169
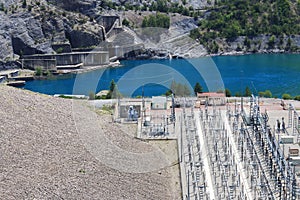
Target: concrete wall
51	61
45	64
108	22
114	31
87	58
120	51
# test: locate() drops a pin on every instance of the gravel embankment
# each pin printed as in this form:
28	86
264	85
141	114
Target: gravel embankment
42	155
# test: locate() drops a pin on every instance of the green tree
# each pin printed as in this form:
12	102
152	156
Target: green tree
47	73
261	94
116	93
158	20
168	93
113	92
247	92
297	98
268	94
185	11
271	42
38	71
195	33
112	86
125	22
286	96
162	5
145	22
227	92
198	88
247	43
233	30
238	94
288	44
242	18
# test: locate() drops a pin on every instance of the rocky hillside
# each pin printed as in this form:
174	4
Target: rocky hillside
196	27
30	27
49	26
231	27
250	26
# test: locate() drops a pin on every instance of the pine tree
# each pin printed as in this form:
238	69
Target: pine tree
247	92
112	86
227	92
113	91
198	88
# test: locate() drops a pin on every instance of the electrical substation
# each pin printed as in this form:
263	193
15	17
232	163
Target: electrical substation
245	148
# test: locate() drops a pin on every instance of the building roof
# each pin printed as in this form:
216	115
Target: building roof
211	94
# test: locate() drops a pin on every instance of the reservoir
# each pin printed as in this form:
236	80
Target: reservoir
279	73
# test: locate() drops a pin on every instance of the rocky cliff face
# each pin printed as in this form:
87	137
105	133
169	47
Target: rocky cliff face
40	27
74	5
49	26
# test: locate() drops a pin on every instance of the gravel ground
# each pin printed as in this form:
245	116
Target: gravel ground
42	155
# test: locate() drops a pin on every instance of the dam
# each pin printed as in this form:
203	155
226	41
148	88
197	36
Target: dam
51	61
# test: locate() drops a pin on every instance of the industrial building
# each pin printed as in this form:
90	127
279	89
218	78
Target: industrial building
211	98
72	60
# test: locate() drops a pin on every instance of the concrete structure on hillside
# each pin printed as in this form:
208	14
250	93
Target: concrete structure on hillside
35	62
123	50
51	61
109	22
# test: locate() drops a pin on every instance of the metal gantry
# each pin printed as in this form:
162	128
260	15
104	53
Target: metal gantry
233	154
193	162
277	175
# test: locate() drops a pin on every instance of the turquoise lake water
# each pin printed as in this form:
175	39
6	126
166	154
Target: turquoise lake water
279	73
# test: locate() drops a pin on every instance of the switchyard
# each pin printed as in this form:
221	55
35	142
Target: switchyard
243	149
231	152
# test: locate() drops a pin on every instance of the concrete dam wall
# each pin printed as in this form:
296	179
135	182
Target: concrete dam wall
50	61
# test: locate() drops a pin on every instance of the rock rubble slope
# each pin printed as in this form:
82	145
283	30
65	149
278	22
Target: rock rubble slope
42	156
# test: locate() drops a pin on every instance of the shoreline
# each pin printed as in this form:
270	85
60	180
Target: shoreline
236	53
91	68
86	69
